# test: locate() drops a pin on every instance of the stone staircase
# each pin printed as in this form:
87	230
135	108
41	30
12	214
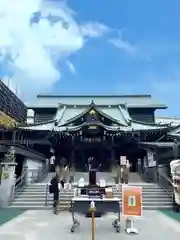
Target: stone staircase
33	197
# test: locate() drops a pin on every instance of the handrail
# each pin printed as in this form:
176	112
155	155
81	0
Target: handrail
21	182
166	183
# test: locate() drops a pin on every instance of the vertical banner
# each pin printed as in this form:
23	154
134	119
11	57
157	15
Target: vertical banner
131	201
151	159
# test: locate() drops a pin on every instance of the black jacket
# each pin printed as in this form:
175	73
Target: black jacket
54	185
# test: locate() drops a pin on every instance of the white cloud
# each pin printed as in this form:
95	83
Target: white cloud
71	67
94	29
31	52
123	45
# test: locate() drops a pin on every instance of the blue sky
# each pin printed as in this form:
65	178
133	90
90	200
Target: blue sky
93	47
151	28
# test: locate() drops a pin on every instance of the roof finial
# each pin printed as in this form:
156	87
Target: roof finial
92	102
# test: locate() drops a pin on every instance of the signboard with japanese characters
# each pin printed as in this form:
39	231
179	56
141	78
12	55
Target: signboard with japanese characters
151	159
123	160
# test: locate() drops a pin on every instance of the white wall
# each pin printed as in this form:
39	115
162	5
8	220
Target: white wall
30	116
33	165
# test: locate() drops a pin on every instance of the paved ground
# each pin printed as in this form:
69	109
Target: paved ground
42	225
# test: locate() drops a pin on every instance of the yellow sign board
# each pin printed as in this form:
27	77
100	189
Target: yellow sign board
6	120
4	173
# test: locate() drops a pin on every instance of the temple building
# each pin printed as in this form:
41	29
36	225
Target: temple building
103	127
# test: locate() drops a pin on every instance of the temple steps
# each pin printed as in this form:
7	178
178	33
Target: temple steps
33	197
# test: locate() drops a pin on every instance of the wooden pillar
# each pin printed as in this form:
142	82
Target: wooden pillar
14	137
176	149
72	154
112	154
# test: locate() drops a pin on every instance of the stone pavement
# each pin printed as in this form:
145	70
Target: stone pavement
42	225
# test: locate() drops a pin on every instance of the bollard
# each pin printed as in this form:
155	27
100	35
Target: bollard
92	210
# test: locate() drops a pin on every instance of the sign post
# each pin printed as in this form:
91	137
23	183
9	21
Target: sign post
131	206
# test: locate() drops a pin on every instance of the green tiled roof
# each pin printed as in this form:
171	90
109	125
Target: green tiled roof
175	131
119	116
69	113
53	101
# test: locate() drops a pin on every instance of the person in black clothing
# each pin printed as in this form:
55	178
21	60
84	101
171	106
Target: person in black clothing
55	191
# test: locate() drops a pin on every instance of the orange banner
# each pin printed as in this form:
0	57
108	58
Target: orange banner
131	201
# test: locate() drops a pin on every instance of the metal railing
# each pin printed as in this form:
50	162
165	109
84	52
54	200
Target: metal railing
35	175
47	194
164	181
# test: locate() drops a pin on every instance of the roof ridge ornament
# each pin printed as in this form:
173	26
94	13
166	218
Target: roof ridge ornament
92	103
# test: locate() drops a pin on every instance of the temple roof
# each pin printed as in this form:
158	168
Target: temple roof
174	121
131	101
118	115
175	131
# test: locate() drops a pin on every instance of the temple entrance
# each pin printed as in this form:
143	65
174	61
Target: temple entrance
100	155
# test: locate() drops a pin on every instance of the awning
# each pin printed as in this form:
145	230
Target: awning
157	144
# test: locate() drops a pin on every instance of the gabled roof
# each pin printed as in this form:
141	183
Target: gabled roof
113	114
118	114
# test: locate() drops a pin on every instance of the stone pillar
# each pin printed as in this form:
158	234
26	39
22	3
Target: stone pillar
25	179
176	149
72	153
7	182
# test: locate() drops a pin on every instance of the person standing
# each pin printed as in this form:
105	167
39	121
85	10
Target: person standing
125	172
119	175
52	163
54	186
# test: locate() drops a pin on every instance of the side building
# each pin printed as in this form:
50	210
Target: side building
13	113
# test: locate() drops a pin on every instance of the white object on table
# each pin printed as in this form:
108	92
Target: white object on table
81	182
102	183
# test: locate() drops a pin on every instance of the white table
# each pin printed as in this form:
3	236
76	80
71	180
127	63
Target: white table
106	205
